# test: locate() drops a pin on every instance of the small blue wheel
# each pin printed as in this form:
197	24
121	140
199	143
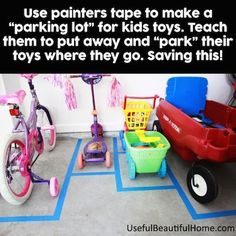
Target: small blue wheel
132	169
123	144
127	156
163	169
121	134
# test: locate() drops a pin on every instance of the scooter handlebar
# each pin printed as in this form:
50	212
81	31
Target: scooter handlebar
89	75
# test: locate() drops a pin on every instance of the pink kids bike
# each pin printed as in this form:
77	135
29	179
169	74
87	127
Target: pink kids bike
27	141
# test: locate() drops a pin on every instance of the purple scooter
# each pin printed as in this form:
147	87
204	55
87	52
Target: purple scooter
96	149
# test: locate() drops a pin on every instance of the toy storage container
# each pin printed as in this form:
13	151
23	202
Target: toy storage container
143	159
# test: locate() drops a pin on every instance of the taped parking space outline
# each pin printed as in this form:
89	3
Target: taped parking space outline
119	185
93	173
176	186
61	198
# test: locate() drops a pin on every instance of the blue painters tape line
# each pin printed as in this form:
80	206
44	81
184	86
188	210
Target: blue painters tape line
182	194
93	173
208	215
61	198
147	188
119	185
121	152
117	166
60	202
27	218
192	211
190	208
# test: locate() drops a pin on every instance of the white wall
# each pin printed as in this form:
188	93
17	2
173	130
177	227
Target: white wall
111	118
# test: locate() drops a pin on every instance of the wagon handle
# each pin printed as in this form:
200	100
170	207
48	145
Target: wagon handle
131	97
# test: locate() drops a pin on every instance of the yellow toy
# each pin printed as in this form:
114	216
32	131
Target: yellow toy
137	114
147	139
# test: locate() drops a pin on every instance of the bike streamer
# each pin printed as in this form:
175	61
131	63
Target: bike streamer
64	82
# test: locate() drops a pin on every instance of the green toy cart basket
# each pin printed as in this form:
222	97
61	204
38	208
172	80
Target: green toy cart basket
146	157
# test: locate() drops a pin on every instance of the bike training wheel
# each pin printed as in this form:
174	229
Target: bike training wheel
54	187
47	128
15	186
206	187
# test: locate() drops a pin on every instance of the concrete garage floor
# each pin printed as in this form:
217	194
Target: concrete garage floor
101	201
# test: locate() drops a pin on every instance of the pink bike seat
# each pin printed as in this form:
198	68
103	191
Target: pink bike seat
13	98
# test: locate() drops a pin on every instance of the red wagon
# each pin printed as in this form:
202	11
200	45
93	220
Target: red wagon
198	141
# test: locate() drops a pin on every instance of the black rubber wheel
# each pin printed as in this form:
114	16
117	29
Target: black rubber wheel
206	188
156	126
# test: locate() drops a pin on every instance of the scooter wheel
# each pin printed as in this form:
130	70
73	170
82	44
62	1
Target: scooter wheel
202	184
81	161
54	187
108	160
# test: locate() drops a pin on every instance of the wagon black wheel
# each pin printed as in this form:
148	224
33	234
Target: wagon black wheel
202	184
156	126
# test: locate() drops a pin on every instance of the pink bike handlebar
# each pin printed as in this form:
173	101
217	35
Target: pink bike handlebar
28	76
